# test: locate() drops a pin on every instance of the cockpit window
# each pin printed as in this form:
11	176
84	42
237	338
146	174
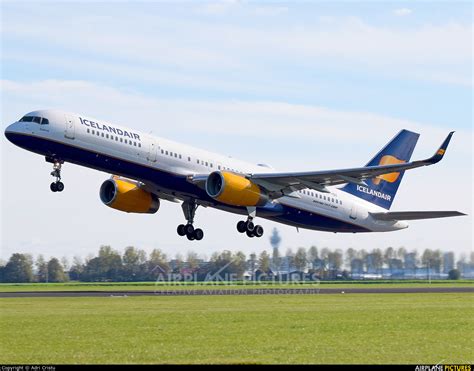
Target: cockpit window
37	119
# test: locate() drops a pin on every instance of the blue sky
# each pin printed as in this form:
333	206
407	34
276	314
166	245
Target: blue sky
303	86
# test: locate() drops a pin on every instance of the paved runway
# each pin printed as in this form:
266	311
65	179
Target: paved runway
243	291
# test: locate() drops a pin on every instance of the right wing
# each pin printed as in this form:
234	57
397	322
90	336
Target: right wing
280	184
414	215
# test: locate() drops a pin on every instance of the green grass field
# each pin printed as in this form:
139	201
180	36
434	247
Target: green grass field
136	286
344	329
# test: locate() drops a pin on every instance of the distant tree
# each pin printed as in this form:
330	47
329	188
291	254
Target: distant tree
223	266
264	262
131	264
178	263
461	263
388	256
335	260
290	258
300	259
55	271
377	257
454	274
76	269
239	264
436	260
426	258
350	255
401	252
192	259
158	266
18	269
106	267
65	263
41	269
324	254
313	253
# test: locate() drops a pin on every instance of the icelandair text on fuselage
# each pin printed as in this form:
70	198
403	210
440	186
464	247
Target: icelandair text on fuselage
374	193
109	129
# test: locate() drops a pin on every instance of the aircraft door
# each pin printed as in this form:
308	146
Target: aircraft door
152	152
70	127
353	213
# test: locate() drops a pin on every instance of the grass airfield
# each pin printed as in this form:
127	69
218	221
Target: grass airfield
324	329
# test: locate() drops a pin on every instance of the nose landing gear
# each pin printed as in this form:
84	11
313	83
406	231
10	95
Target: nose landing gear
57	186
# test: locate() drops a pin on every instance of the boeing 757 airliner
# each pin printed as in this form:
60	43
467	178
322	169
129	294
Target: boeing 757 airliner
147	169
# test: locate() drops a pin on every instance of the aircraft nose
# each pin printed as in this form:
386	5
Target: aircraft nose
11	130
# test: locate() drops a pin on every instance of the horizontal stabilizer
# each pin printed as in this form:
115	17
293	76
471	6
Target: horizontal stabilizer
414	215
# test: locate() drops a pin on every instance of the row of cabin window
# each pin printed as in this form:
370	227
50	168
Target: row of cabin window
110	136
173	154
314	194
200	162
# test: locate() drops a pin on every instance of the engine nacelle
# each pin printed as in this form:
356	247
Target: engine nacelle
235	190
126	195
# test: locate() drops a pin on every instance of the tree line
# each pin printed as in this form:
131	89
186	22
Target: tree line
136	265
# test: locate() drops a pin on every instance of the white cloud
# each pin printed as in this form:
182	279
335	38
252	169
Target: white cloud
401	12
437	52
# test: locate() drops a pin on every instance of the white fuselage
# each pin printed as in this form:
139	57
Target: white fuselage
166	165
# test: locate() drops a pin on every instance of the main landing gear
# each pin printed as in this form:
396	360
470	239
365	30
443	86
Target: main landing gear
248	227
57	186
189	209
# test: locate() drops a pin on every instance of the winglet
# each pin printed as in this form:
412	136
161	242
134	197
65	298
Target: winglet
441	151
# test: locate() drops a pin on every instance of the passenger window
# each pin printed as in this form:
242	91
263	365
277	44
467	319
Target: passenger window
121	140
116	139
98	134
176	155
206	164
139	144
189	158
88	131
135	144
197	161
107	136
166	153
102	135
93	132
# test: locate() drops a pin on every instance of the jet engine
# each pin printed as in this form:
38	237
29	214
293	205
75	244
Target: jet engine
234	189
126	195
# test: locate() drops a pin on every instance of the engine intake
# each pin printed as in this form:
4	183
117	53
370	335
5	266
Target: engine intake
235	190
125	195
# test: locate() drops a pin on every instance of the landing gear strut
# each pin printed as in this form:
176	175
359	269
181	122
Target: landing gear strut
189	209
248	227
57	186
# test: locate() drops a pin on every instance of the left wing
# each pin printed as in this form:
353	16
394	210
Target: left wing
279	184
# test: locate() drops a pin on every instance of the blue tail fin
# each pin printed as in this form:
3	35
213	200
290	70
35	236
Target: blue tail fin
381	190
